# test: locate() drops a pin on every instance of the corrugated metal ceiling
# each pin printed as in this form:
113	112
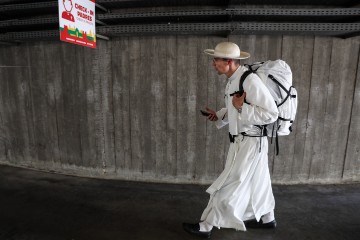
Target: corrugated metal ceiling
24	20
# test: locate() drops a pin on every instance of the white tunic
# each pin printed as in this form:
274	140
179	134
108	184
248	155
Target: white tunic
243	190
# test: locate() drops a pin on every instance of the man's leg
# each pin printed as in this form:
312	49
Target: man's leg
205	227
266	221
269	217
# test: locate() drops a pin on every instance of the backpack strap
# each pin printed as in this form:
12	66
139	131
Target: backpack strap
283	88
263	133
275	129
241	82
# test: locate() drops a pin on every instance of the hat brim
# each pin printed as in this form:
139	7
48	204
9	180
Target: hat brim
211	52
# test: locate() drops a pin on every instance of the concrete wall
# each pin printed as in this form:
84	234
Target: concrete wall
130	108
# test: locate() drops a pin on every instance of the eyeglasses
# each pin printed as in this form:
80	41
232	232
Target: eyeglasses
215	59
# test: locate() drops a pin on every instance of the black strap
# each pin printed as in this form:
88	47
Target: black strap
242	80
285	119
263	131
272	132
275	129
232	137
278	83
288	94
262	134
277	143
250	66
241	83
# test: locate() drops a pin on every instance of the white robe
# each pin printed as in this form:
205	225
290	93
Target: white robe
243	190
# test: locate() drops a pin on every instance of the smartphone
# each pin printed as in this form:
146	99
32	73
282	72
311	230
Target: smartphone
204	113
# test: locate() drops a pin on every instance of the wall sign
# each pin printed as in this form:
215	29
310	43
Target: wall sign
77	22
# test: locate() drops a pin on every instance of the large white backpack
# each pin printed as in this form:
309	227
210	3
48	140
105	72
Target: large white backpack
277	77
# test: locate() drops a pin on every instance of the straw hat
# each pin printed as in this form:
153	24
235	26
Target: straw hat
227	50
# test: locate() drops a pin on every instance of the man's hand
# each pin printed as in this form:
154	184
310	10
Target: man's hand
212	116
238	100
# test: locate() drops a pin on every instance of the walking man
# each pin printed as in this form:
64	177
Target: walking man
241	197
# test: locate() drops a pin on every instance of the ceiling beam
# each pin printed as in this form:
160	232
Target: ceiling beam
342	13
222	29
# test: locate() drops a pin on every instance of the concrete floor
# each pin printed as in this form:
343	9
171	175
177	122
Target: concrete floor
44	206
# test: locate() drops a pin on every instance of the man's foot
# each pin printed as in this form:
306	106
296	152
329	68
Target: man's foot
255	224
195	230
